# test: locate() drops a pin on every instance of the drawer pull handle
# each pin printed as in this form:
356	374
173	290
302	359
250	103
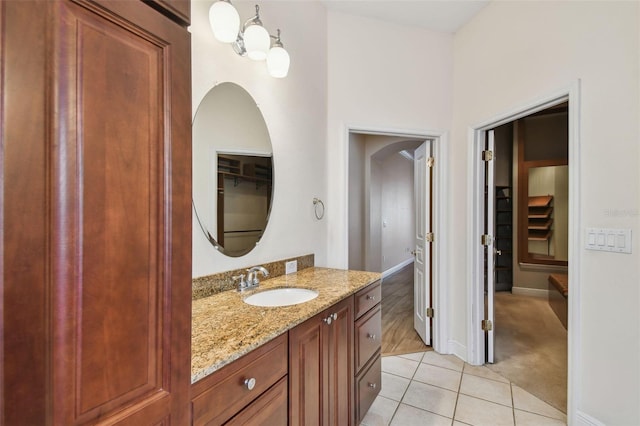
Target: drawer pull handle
250	383
371	336
372	385
370	297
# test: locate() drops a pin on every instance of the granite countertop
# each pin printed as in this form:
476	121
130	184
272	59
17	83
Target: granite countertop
224	327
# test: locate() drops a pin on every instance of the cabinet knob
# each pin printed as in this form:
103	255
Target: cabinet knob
370	297
334	316
371	336
372	385
250	383
328	320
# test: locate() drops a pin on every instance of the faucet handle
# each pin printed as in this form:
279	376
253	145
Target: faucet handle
242	284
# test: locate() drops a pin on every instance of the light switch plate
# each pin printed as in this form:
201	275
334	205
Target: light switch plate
608	239
291	267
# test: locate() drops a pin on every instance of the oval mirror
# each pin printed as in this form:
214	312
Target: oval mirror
232	169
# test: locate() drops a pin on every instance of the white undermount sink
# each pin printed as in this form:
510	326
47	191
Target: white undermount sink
281	297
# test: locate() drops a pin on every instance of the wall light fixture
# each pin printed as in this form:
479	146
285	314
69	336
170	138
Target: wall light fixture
252	40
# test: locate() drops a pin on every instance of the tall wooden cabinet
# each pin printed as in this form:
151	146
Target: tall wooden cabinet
96	215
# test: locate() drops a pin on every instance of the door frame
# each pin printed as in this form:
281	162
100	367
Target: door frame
475	287
440	301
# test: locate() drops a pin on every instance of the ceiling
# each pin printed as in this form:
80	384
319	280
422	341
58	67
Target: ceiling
438	15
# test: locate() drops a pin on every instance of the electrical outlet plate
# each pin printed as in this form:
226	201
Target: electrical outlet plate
291	267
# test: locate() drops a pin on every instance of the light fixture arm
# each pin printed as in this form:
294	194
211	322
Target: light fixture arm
254	20
277	42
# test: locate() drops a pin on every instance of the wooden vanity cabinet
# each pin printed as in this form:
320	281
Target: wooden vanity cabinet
321	368
96	213
368	339
250	390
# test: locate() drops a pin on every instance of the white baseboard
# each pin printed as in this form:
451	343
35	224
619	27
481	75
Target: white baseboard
457	349
533	292
583	419
397	267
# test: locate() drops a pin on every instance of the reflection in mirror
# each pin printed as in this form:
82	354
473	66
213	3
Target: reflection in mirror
548	212
232	169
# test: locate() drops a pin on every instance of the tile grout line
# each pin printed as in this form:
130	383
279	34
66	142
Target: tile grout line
513	403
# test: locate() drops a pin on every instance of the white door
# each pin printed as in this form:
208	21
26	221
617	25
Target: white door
490	247
422	251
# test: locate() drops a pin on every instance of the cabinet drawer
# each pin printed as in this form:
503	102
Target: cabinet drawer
271	408
368	385
368	330
367	298
220	396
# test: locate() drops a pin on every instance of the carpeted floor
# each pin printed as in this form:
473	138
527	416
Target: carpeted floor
531	347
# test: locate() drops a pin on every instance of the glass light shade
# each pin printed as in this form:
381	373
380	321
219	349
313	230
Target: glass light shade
225	21
278	62
257	42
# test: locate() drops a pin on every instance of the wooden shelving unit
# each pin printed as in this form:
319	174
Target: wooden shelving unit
504	239
540	217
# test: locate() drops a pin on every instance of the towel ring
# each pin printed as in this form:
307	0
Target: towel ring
316	202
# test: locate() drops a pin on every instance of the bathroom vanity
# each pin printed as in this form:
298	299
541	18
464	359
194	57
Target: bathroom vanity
317	362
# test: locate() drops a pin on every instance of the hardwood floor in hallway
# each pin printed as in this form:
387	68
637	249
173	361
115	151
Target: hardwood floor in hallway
398	334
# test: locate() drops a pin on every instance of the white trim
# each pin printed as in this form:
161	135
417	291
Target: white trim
530	292
475	285
396	268
583	419
456	348
440	141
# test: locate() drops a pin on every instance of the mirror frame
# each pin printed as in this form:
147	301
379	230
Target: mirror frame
524	257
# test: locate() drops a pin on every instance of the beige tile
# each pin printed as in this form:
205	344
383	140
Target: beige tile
411	416
399	366
523	400
524	418
490	390
482	371
393	387
380	413
416	356
457	423
447	361
431	398
438	376
479	412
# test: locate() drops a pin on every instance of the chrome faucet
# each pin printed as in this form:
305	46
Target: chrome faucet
252	280
252	277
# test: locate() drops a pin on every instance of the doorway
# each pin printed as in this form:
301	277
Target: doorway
482	331
367	221
527	191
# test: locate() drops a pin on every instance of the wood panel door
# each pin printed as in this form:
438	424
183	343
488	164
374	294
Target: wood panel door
340	364
306	369
111	189
321	368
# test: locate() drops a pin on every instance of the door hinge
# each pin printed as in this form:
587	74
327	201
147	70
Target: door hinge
430	161
429	237
487	325
487	155
429	312
485	239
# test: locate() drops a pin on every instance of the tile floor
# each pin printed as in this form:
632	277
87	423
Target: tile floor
427	388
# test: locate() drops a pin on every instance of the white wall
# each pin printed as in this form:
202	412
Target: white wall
357	209
380	76
398	212
294	109
513	53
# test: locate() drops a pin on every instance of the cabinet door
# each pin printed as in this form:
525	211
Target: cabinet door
114	181
306	355
321	368
340	363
